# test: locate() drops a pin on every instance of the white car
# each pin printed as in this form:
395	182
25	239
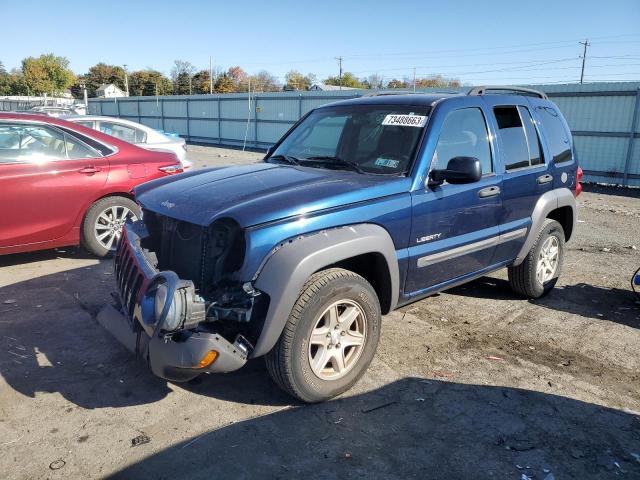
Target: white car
136	133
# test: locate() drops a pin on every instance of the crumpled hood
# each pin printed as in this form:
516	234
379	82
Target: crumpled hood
261	192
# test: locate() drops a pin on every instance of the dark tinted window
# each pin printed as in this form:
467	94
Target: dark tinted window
464	134
518	136
555	134
533	141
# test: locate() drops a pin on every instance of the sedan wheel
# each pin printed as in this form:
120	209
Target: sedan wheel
108	226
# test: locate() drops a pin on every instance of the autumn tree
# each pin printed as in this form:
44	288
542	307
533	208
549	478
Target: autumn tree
201	82
395	83
225	84
264	81
436	81
47	74
295	80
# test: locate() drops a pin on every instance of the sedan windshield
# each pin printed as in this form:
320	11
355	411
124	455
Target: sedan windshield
379	139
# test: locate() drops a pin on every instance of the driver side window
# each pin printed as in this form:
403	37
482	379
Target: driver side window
464	134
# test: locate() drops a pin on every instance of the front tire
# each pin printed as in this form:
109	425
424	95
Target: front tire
538	273
330	337
103	223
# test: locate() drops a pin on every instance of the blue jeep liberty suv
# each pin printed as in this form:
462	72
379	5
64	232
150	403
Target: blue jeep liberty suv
363	206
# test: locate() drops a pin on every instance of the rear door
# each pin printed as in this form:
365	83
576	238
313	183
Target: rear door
46	178
525	172
455	227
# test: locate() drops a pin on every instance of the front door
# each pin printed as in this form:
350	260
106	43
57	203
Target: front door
455	227
46	178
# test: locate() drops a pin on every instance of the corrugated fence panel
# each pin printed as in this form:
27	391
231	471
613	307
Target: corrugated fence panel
600	116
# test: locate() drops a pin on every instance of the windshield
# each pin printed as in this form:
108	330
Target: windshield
380	139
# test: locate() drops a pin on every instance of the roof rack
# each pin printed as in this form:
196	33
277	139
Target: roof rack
384	93
515	90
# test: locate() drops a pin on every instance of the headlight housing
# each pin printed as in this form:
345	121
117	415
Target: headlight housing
175	315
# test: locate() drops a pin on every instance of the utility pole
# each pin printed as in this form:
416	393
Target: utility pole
584	57
190	92
126	80
210	75
414	79
340	71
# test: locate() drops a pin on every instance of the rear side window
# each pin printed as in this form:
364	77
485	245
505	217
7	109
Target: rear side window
123	132
555	133
518	136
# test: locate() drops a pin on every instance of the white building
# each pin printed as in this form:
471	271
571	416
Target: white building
327	88
109	91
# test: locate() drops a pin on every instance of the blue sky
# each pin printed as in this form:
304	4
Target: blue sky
476	41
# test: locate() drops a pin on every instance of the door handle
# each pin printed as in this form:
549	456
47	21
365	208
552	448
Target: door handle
542	179
489	192
90	170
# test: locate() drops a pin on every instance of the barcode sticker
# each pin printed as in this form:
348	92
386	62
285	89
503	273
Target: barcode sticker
405	120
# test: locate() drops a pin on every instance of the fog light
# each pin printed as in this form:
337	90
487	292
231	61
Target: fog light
208	359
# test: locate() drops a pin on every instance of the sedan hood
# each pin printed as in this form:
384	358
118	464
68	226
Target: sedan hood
261	192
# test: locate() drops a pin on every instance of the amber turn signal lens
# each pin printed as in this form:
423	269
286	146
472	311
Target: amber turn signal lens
208	359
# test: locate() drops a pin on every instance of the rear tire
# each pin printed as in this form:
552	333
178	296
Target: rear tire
330	337
103	223
538	273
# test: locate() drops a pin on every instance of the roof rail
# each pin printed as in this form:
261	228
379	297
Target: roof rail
515	90
384	93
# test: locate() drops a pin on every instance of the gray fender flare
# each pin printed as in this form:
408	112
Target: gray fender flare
285	272
559	197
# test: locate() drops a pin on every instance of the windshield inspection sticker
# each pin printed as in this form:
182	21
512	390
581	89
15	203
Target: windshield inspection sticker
405	120
387	162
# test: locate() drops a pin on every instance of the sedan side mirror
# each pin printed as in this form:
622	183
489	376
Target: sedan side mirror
459	170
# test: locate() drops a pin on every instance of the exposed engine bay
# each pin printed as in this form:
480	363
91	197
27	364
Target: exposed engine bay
210	257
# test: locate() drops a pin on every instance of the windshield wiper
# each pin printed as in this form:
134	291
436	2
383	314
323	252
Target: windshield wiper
286	158
336	161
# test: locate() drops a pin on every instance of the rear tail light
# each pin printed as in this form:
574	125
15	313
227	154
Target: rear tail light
172	169
578	180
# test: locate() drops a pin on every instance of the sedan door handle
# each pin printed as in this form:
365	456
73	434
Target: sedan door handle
542	179
489	192
90	170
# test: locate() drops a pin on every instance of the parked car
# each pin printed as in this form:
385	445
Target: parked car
136	133
52	111
64	184
364	206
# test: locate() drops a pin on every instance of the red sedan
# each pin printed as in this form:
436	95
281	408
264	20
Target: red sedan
64	184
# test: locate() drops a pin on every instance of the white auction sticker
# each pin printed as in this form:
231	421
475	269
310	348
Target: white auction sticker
405	120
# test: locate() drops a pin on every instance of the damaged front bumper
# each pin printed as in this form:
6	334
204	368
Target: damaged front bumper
177	354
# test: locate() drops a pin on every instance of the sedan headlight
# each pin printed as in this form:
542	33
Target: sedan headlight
174	315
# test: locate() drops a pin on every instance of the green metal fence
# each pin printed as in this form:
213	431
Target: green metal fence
603	118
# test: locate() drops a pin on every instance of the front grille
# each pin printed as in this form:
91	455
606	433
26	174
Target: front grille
129	276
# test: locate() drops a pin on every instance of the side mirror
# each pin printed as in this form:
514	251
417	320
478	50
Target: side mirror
459	170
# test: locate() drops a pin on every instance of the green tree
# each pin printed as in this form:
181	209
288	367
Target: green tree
47	74
200	82
436	81
348	80
100	74
149	83
181	75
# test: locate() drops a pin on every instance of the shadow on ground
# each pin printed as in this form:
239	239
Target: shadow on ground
612	304
51	342
414	428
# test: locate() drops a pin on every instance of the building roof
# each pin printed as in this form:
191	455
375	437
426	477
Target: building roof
104	86
324	87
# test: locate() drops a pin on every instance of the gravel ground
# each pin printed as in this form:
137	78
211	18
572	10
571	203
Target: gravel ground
470	383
